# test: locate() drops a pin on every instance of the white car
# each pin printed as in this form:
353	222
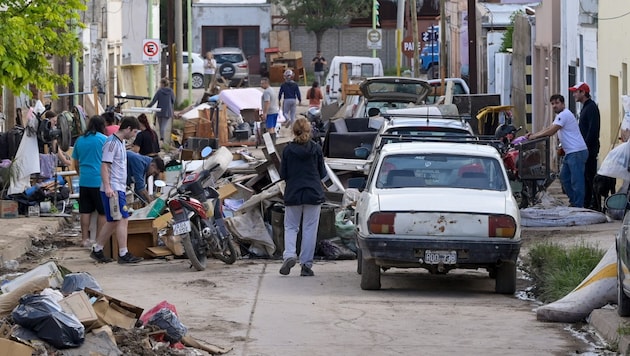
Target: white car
438	206
196	60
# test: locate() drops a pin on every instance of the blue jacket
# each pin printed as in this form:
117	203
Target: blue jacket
291	90
137	167
302	168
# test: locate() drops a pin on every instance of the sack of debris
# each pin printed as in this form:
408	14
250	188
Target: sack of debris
74	282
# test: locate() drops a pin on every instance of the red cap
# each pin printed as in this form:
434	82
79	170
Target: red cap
580	86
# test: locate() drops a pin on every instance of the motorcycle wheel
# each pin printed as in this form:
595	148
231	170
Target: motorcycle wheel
227	254
522	198
195	252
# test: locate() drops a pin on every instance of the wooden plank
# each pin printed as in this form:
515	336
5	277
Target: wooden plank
159	251
227	190
223	126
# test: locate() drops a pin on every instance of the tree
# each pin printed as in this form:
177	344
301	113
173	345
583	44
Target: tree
32	32
318	16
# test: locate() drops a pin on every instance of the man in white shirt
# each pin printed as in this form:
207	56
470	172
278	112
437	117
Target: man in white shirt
576	153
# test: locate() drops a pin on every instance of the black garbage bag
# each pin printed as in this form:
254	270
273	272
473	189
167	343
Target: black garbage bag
333	251
44	316
75	282
166	320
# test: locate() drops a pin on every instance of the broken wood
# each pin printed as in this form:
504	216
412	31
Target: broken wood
213	349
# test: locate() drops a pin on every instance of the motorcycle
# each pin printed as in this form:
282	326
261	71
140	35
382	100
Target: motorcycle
198	218
526	162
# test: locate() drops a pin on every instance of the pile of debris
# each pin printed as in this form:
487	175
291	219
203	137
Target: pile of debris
50	310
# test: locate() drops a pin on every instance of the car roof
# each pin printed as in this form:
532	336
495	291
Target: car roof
372	89
450	123
472	149
227	50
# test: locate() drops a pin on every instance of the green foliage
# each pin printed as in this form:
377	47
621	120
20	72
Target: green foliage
318	16
556	270
506	44
33	32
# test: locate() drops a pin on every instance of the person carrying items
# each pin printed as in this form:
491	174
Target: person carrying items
87	155
292	97
270	109
165	99
139	168
113	193
576	152
318	66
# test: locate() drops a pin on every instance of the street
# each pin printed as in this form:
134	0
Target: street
249	306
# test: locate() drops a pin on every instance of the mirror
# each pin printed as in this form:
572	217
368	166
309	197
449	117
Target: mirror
357	183
123	94
206	151
616	201
361	152
159	183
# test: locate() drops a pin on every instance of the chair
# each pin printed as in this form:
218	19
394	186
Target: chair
400	178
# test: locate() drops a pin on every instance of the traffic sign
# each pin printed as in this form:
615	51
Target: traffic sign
151	51
407	47
430	36
374	39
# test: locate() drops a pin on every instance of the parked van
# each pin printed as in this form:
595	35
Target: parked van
358	68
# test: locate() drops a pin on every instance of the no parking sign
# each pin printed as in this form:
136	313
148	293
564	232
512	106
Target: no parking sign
151	51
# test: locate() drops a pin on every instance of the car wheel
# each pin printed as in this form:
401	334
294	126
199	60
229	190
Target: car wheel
433	72
623	302
506	278
359	260
370	275
197	81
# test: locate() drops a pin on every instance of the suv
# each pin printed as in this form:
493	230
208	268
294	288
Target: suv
233	65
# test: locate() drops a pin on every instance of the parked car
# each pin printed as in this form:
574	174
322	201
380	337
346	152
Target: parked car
617	204
233	65
459	87
196	60
438	206
357	68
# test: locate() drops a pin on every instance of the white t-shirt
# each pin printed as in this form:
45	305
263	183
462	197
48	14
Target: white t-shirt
569	133
114	152
209	69
270	96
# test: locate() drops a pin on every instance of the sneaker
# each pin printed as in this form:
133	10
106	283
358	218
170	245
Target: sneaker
129	258
100	257
306	271
287	265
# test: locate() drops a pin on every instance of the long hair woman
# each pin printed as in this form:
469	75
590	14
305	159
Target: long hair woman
146	142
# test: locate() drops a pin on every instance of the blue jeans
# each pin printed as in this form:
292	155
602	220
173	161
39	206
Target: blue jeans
572	177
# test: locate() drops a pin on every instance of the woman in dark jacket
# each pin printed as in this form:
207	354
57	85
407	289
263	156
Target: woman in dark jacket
302	168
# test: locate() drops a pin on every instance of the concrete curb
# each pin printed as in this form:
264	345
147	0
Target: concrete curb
16	234
607	324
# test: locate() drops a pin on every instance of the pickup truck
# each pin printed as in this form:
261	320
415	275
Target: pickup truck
430	60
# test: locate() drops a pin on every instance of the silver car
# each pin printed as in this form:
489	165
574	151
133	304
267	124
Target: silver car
233	65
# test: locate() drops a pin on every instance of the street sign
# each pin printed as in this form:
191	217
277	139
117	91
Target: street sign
430	36
374	39
151	51
407	47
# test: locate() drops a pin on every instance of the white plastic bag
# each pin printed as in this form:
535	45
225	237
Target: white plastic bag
617	162
624	131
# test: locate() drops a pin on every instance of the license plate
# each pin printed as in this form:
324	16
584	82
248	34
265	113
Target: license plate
436	257
181	227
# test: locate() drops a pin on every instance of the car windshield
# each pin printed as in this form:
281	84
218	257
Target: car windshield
228	57
440	170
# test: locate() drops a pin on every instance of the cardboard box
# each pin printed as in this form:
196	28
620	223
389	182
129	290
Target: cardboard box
8	209
12	348
227	190
174	243
79	304
112	311
250	115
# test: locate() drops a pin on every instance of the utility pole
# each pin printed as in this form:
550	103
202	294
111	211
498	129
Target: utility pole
179	53
442	34
189	45
400	27
472	46
414	28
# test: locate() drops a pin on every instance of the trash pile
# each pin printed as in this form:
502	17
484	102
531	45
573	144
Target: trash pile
52	311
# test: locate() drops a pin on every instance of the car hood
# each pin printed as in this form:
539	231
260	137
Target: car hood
433	199
395	88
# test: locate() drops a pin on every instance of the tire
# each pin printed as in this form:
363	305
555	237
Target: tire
195	253
359	260
522	198
623	302
433	72
506	278
370	275
228	253
197	81
227	70
66	131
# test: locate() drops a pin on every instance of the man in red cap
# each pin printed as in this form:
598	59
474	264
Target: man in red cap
589	127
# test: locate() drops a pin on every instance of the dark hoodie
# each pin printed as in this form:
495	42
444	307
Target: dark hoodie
165	98
302	167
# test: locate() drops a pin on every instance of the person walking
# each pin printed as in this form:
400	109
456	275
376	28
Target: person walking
165	99
113	193
589	128
576	152
86	155
292	97
302	168
270	109
139	168
146	142
209	72
314	96
318	67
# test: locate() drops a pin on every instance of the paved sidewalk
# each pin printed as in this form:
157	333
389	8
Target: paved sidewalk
16	234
